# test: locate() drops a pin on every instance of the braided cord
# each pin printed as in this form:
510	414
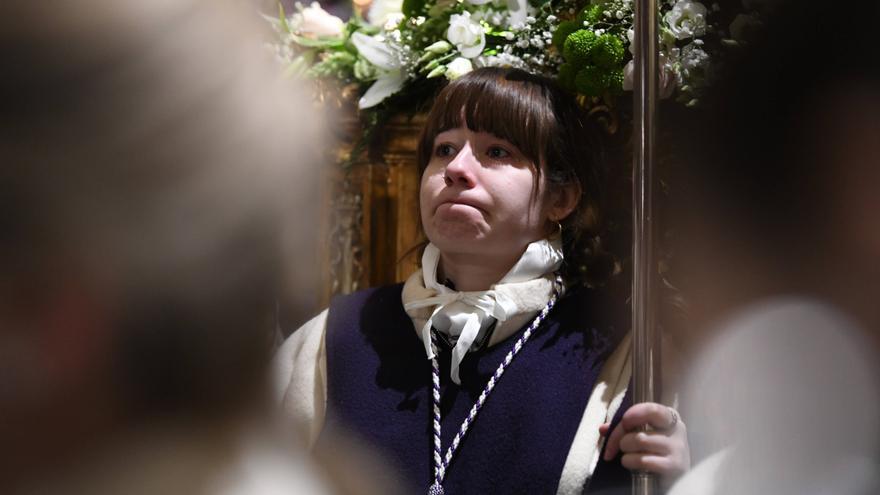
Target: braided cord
441	465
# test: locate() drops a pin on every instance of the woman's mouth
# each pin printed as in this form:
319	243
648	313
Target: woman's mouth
452	203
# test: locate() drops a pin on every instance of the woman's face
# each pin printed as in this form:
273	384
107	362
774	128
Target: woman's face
477	195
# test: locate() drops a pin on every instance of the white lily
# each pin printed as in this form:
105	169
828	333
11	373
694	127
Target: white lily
391	76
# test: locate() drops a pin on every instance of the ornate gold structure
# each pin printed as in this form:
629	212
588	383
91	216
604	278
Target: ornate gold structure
372	210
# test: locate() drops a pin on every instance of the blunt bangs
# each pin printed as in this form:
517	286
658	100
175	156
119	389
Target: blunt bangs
510	104
554	133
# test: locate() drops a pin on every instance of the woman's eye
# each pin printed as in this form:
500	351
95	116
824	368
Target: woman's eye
444	150
497	152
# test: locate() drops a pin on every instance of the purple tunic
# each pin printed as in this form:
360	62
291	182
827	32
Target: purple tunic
379	386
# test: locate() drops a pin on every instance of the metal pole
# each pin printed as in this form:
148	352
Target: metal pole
645	351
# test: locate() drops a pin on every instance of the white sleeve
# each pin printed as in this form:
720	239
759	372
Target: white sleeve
299	377
605	399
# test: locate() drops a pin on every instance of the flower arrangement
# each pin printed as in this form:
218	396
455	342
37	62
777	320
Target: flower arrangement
398	53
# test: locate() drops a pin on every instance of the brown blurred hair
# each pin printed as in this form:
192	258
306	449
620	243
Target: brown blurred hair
152	153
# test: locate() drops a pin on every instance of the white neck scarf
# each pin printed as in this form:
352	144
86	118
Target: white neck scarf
463	315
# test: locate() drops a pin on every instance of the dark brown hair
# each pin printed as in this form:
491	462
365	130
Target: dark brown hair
550	129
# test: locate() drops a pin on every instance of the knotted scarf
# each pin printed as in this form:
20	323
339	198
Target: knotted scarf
461	316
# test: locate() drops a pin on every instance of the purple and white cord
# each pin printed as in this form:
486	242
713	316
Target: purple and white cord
441	463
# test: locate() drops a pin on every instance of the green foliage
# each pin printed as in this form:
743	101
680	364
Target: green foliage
581	60
364	70
412	8
328	43
578	47
567	73
300	64
590	15
282	19
338	65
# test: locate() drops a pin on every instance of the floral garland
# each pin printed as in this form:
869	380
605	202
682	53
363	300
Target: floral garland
404	45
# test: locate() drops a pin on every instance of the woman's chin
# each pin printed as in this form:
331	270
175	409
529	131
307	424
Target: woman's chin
457	235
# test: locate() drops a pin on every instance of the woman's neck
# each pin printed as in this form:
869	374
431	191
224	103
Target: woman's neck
473	272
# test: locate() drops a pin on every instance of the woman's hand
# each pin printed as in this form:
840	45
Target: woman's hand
663	450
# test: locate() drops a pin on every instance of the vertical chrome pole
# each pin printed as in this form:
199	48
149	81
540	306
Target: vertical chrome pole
645	351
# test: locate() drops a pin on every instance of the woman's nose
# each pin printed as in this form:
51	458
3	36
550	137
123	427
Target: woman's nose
460	170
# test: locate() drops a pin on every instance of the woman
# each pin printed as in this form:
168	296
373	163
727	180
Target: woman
416	369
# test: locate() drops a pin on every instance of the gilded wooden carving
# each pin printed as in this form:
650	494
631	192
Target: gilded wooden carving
372	212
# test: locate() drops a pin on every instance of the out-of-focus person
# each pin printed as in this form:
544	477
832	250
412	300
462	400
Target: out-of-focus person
151	160
781	268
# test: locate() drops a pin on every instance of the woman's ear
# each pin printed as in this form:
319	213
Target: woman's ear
563	200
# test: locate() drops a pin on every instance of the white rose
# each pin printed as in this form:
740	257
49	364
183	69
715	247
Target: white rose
687	19
466	35
458	67
313	21
382	10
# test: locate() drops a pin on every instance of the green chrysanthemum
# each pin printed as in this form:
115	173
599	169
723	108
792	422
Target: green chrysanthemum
590	15
589	81
564	29
596	81
364	71
567	73
615	81
608	51
578	47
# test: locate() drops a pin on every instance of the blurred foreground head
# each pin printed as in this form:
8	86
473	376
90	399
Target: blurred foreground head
151	158
781	265
783	163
